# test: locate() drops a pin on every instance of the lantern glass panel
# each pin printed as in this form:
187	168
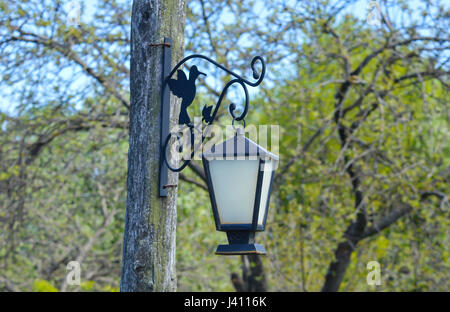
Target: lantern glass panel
267	167
234	184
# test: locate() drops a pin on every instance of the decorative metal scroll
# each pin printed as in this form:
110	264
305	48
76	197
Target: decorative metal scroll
184	88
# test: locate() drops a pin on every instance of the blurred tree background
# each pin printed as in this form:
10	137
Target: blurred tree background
364	144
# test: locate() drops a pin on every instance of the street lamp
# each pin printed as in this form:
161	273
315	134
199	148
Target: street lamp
239	175
239	172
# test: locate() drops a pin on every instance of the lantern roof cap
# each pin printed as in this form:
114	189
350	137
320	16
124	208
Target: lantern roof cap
239	145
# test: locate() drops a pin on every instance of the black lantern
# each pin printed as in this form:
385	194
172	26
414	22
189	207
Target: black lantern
239	174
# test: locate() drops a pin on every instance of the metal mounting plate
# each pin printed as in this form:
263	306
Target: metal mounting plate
165	117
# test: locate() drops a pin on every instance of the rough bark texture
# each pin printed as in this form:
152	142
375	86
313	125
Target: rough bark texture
148	262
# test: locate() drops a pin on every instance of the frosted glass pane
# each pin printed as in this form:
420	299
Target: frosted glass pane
234	184
268	167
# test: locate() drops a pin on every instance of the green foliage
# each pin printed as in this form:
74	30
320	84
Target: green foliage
43	286
64	143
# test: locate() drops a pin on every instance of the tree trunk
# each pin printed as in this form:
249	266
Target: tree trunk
253	277
148	262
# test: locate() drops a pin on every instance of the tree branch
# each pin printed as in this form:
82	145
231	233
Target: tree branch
387	221
71	55
192	181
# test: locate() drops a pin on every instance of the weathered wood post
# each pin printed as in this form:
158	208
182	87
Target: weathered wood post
148	262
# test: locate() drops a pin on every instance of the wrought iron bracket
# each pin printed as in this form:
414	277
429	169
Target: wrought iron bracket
184	88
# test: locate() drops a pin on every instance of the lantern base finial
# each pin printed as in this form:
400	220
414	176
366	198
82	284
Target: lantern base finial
241	249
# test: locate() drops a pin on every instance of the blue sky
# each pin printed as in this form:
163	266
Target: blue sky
359	9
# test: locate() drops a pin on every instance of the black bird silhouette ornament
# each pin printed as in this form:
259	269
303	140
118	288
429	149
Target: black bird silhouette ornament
206	113
185	89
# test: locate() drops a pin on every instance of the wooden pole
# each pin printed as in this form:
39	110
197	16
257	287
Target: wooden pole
148	262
